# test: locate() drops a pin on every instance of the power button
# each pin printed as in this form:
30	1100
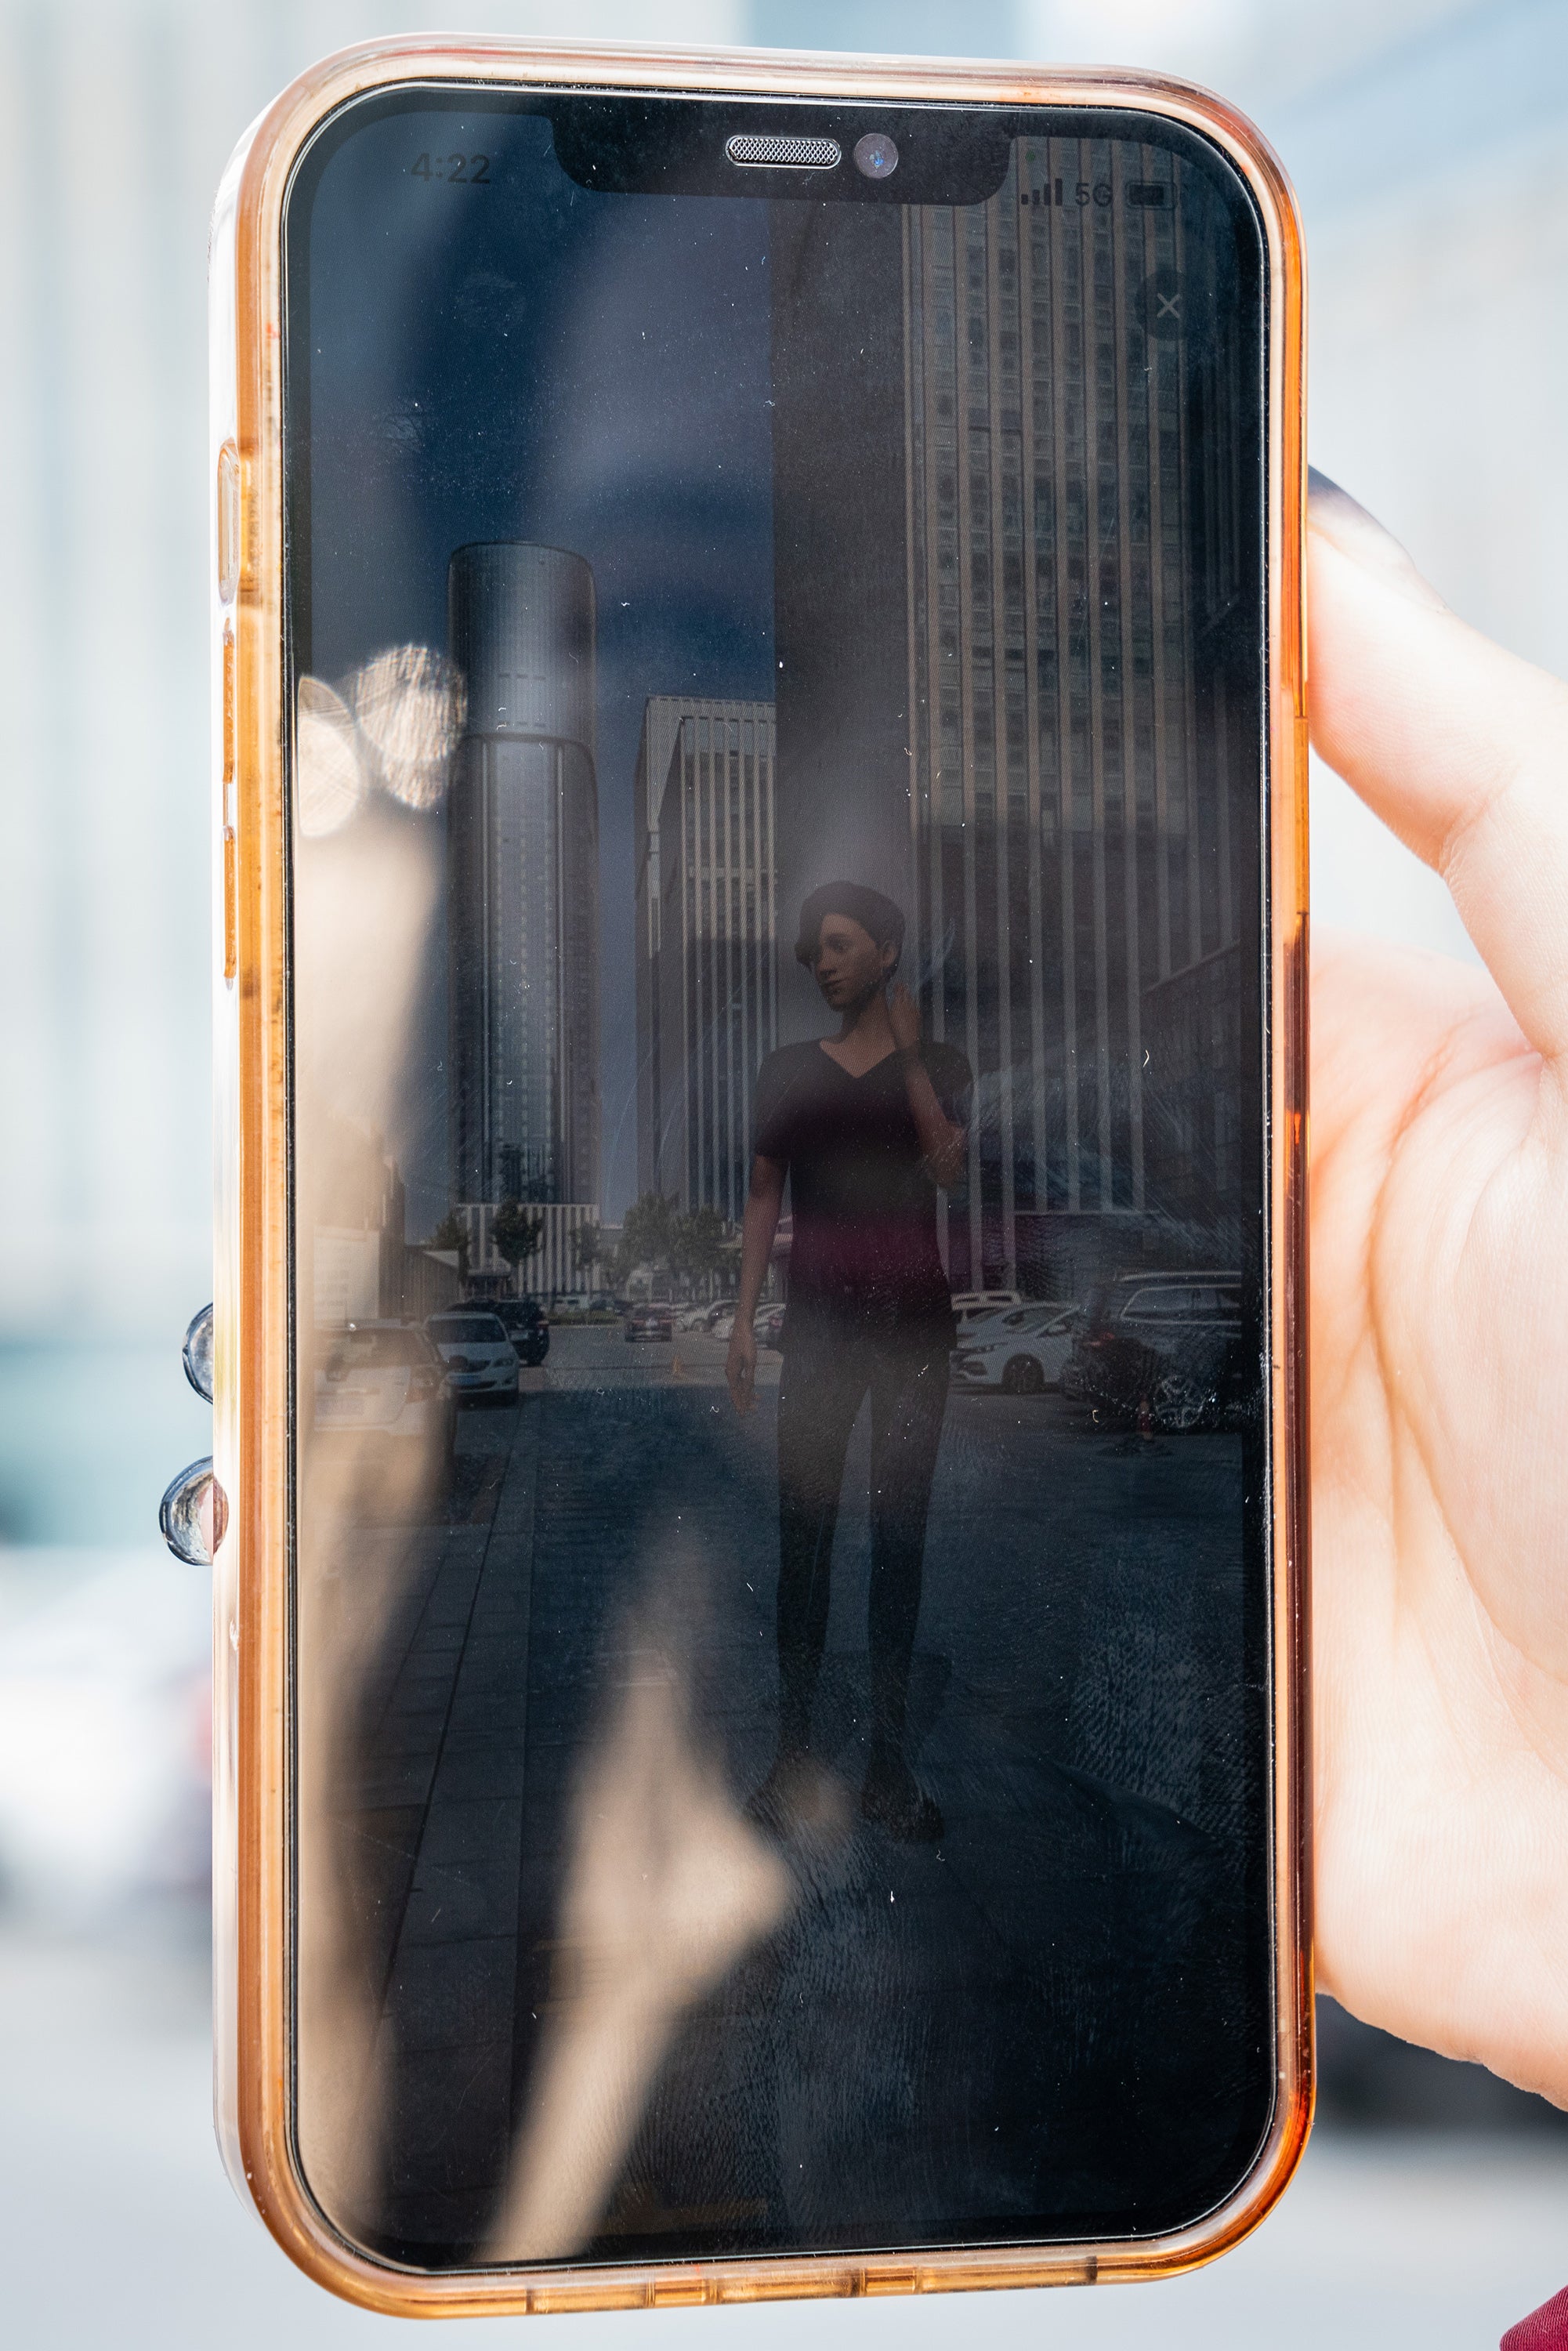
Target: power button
229	521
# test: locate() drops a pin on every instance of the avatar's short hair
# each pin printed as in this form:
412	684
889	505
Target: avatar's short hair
877	916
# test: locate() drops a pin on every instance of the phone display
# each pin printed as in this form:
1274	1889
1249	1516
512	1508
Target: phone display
776	676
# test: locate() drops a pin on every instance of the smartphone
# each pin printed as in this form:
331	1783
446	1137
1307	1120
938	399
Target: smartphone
759	1333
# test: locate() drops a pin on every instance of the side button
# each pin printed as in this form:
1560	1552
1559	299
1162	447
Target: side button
228	703
229	521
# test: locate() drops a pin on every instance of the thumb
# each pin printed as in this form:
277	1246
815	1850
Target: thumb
1459	747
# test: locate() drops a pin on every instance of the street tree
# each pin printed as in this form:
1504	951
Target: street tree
517	1232
698	1249
649	1231
451	1233
588	1249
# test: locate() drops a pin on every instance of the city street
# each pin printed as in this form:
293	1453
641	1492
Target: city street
1017	2018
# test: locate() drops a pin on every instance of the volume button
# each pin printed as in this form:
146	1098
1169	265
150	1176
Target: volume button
228	692
230	522
231	907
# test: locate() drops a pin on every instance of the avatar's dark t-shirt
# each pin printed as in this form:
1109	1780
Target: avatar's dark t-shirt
863	1261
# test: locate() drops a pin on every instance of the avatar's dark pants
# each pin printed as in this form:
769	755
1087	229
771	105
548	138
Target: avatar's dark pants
820	1394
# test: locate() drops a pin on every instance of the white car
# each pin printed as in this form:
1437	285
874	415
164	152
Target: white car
972	1306
1020	1351
381	1389
764	1324
382	1379
480	1359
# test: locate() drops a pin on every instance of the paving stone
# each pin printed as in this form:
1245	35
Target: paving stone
455	1901
449	1996
960	2023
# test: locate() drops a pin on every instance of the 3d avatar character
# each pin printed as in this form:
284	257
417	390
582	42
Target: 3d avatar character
867	1126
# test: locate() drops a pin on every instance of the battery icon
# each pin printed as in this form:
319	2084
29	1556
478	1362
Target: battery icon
1145	192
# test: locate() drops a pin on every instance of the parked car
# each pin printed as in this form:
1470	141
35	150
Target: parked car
692	1318
1021	1351
526	1324
971	1306
767	1325
480	1359
656	1321
383	1383
1167	1349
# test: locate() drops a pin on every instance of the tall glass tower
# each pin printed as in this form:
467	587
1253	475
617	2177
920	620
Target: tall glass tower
707	981
523	878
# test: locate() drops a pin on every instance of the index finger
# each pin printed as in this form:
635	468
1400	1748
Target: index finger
1460	748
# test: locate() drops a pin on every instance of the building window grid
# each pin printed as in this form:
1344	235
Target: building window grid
1122	705
730	1021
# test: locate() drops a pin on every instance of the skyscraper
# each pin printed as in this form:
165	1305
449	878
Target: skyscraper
707	989
1034	639
523	879
1077	609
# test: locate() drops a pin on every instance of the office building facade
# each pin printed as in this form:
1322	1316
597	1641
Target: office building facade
551	1269
706	920
523	879
1048	751
1081	585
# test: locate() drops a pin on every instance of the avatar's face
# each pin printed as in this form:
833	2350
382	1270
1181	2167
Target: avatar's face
849	963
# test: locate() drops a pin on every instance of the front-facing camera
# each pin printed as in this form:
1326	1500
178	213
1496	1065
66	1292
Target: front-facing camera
876	155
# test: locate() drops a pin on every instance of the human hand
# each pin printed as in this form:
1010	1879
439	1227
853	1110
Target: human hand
740	1367
1440	1332
904	1015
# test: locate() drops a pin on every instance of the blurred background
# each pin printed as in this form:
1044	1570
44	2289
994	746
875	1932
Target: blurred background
1428	143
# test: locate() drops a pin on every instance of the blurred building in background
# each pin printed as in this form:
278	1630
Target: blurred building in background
1429	141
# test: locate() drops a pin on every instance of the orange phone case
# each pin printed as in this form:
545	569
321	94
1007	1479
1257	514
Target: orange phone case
252	1733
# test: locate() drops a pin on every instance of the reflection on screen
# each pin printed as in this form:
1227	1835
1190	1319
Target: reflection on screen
839	1821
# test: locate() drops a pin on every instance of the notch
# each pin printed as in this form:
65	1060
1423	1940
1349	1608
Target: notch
644	144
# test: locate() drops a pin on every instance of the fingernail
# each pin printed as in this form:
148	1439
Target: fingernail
1336	516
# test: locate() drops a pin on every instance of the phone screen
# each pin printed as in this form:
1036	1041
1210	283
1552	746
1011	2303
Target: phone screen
778	897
